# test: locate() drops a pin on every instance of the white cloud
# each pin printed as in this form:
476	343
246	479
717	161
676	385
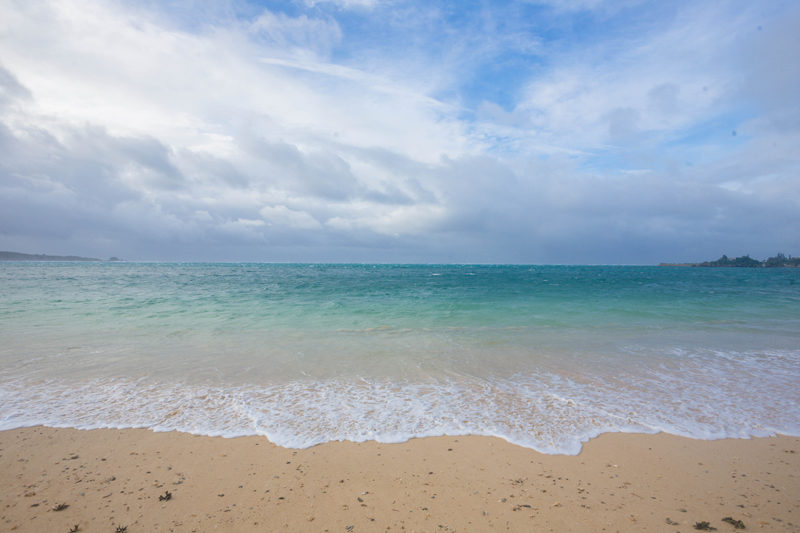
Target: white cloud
297	35
130	73
283	216
210	120
609	92
392	221
347	4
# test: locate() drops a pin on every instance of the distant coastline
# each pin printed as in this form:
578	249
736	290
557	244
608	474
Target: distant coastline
17	256
745	261
778	261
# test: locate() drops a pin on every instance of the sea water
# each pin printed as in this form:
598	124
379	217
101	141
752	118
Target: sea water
543	356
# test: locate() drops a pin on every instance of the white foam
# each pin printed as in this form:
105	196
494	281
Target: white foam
709	397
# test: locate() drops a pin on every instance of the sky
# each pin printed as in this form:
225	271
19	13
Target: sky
519	131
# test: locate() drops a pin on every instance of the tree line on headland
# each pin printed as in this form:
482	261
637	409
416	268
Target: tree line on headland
745	261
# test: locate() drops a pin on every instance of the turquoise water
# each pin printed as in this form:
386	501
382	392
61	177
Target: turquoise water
543	356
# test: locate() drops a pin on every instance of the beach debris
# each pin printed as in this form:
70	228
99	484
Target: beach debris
165	497
349	528
60	506
737	524
74	529
121	529
670	522
704	526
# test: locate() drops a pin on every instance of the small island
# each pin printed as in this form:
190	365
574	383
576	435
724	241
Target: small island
778	261
17	256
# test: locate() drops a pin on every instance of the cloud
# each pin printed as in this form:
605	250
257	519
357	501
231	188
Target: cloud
296	35
336	131
346	4
283	216
661	84
10	89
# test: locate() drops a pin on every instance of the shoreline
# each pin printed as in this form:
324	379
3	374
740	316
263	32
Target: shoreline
114	478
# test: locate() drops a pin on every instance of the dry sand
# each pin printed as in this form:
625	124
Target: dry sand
110	479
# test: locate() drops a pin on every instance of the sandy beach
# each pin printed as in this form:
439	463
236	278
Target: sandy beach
137	480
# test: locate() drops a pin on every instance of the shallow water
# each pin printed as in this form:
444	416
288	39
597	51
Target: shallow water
543	356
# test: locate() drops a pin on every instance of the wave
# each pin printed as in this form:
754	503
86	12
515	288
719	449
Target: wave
548	412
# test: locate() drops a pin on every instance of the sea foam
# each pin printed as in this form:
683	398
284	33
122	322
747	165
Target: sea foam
547	412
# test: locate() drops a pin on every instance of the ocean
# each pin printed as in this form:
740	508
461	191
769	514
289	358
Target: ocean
545	357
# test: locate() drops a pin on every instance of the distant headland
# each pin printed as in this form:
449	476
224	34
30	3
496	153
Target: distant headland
745	261
16	256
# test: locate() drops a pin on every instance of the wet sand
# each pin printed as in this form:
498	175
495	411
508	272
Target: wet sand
108	480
